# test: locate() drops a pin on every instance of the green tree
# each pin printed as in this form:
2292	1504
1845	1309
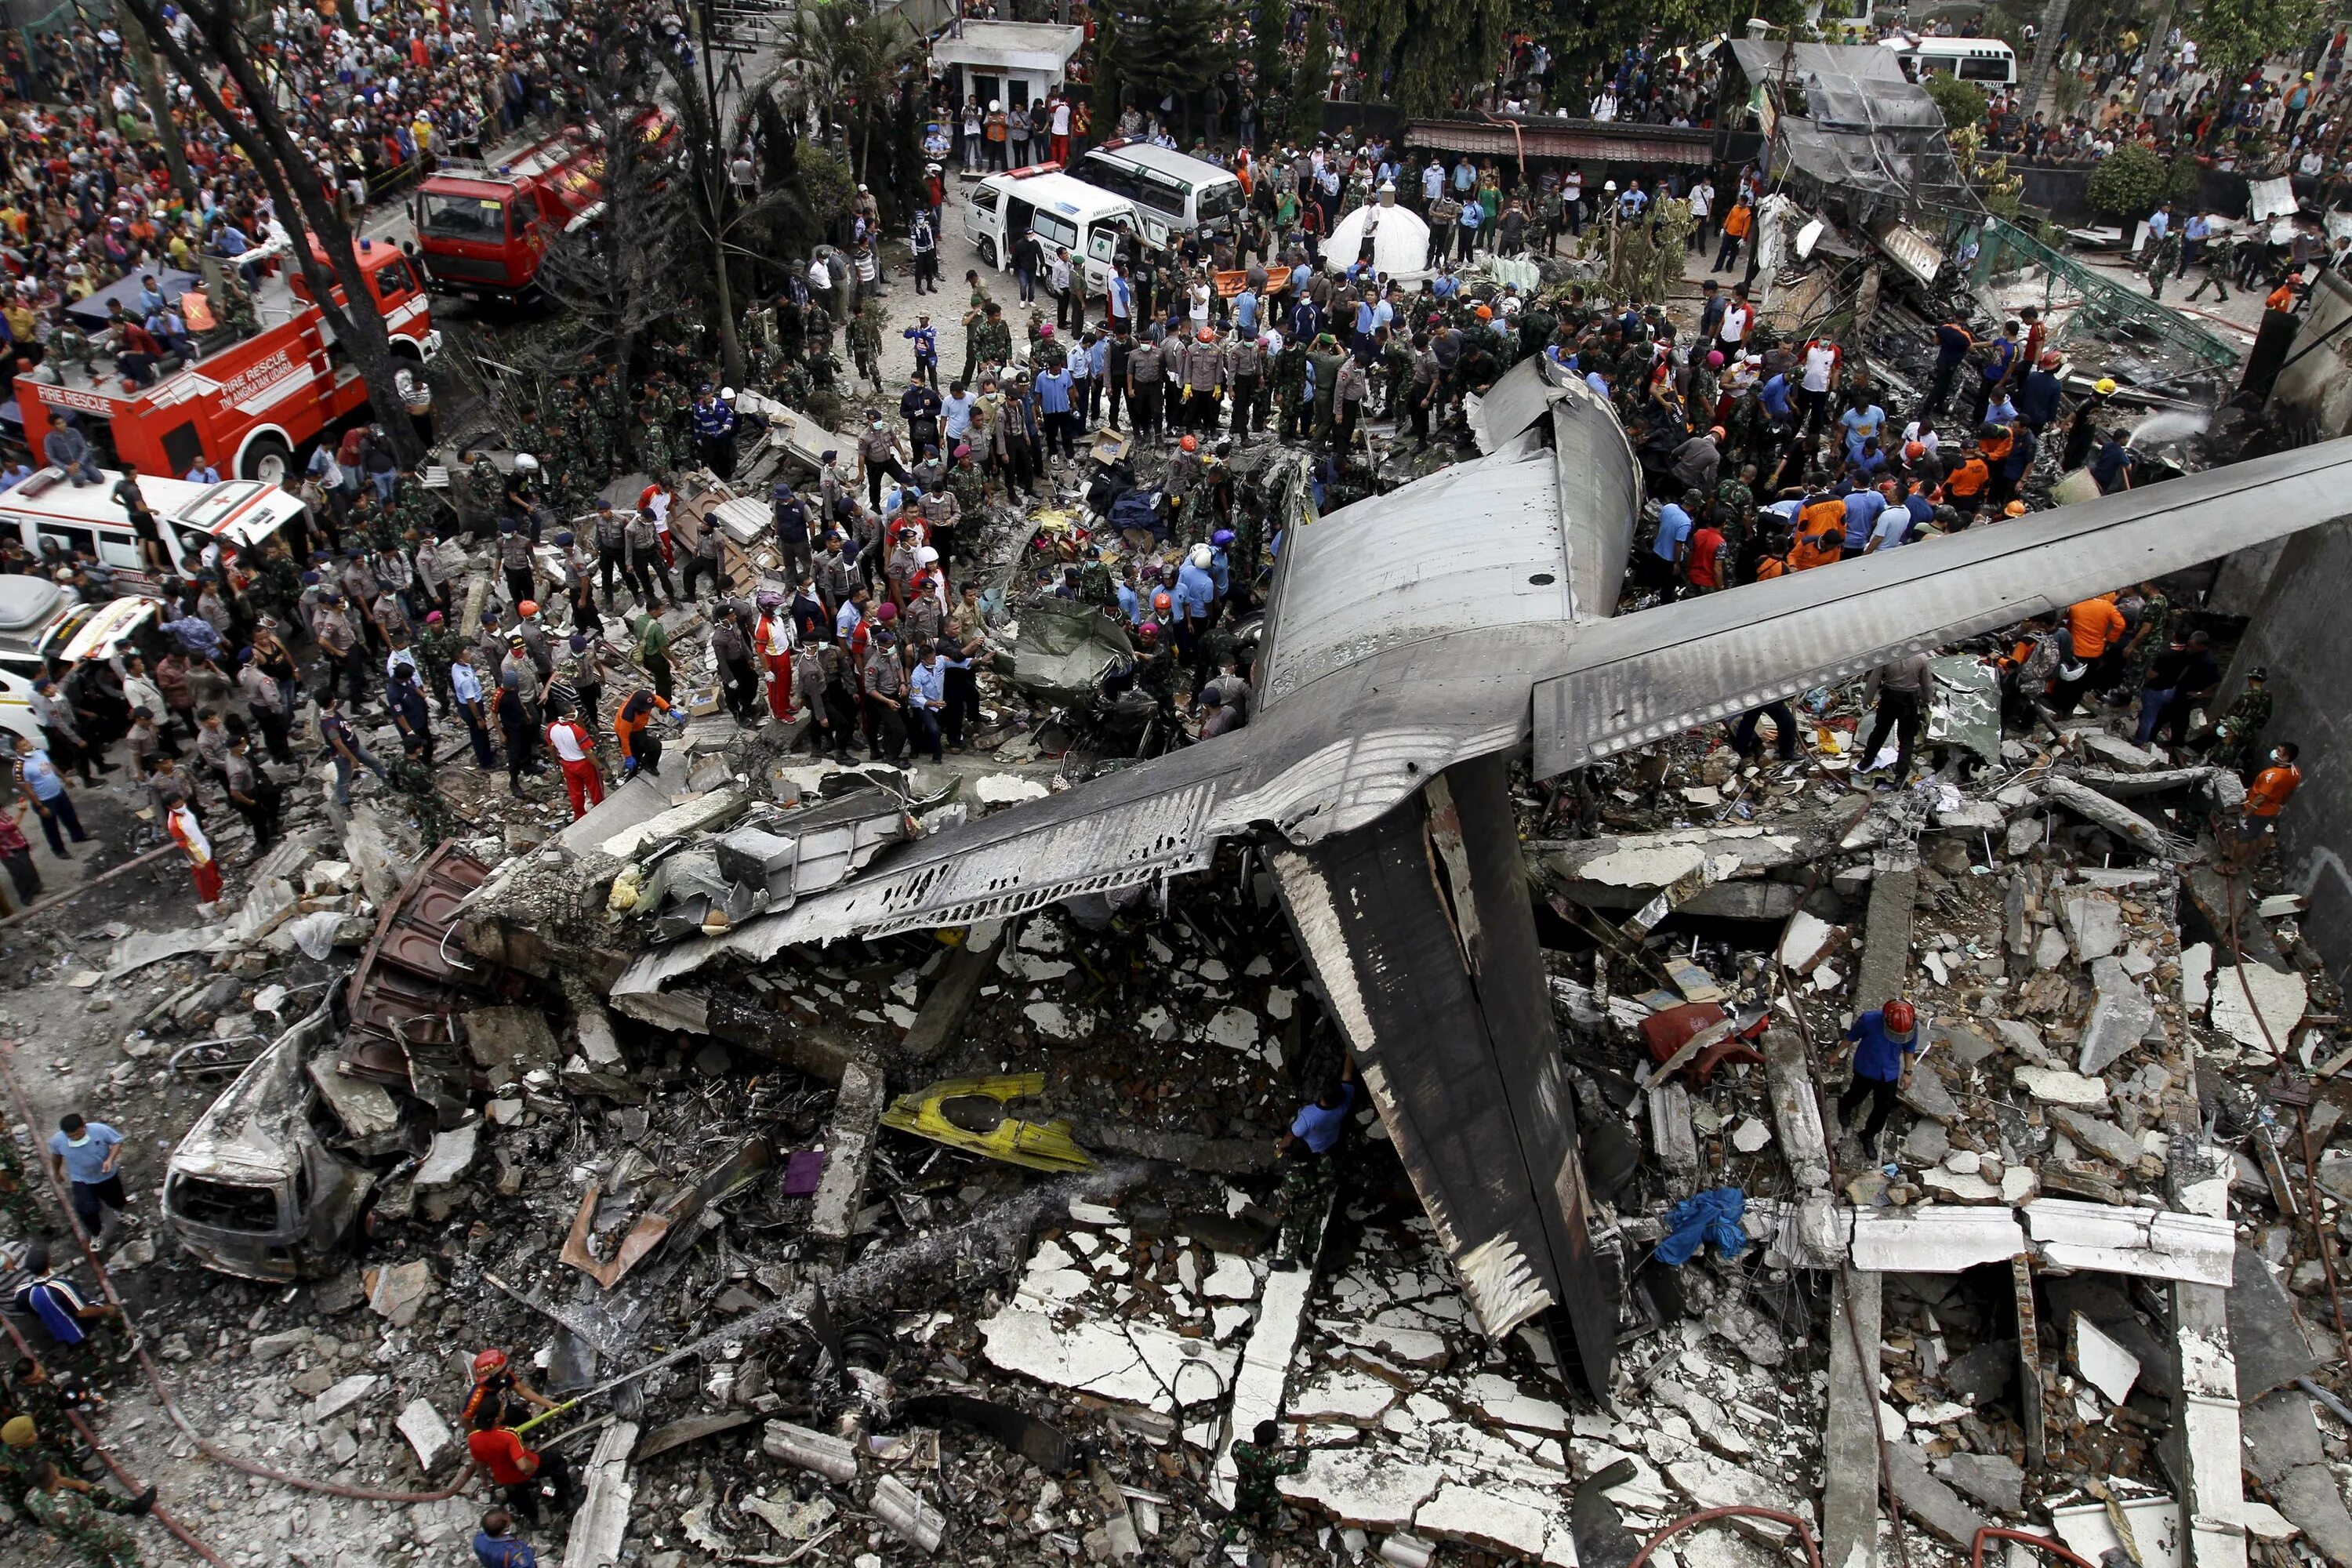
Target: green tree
2132	181
852	60
1172	50
1428	55
2236	34
1962	103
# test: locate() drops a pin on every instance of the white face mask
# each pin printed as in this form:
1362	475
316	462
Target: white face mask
78	1142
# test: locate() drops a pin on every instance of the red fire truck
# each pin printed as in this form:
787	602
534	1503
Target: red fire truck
483	227
242	405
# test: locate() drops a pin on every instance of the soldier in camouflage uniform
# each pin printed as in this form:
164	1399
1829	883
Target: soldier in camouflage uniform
16	1198
235	306
2236	739
993	336
75	1514
476	492
968	482
437	650
278	580
1259	1464
412	776
654	452
1289	387
865	346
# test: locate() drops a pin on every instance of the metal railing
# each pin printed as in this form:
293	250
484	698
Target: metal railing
2082	300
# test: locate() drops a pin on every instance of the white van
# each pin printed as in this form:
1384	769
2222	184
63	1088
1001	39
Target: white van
1988	62
191	517
1065	214
1177	194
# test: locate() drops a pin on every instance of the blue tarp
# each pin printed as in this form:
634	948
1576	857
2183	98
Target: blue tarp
1711	1215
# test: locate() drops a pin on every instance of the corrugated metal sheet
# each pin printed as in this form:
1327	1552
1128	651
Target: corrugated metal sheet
1519	397
1603	141
1410	566
1633	680
1767	59
1600	498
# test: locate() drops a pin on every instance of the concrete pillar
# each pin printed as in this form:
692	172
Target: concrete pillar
1850	1438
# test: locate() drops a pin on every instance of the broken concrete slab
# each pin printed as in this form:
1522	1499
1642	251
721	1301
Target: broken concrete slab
1138	1363
1886	927
508	1042
451	1156
850	1153
1928	1501
2282	1451
428	1435
2258	1005
398	1292
2105	1364
2266	1333
1264	1367
2089	1531
2099	1136
2054	1086
2153	1244
1796	1109
2121	1016
1924	1091
1995	1480
1519	1520
2094	925
1367	1488
953	991
340	1397
603	1519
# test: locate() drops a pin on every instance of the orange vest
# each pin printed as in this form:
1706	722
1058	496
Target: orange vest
2095	623
2273	788
1818	549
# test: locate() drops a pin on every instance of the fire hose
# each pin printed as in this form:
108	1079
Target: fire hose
203	1445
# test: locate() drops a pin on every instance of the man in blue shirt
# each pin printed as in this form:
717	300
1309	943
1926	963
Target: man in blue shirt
1319	1125
1863	506
927	700
1666	551
1883	1037
39	776
1053	403
926	339
1308	1173
1774	396
496	1544
89	1157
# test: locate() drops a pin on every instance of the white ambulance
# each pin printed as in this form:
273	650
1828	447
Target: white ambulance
190	517
1063	213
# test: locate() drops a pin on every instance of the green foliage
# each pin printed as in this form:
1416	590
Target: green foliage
1107	68
2235	34
1169	49
855	57
2132	181
1962	102
1431	52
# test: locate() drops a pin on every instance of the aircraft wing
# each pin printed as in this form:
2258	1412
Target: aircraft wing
1636	679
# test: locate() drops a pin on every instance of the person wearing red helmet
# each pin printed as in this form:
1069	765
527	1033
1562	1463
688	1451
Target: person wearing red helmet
1883	1037
495	1384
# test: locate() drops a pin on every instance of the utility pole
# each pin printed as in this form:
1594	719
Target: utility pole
142	51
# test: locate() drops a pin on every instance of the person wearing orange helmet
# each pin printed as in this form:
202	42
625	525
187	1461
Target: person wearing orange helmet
1884	1038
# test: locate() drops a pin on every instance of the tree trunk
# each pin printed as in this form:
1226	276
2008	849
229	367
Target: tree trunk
300	199
2045	50
142	51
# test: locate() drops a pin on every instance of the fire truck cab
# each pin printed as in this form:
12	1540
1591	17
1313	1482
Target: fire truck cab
482	227
243	403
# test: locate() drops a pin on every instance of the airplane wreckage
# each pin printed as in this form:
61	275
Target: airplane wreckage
1416	644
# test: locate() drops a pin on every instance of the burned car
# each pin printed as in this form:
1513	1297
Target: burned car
257	1187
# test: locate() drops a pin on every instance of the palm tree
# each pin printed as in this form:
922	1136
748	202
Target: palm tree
852	60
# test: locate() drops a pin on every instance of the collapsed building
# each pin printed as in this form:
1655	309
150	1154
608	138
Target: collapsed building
892	1170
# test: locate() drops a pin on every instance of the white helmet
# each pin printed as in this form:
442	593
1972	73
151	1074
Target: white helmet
995	106
725	395
927	556
1202	556
525	463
